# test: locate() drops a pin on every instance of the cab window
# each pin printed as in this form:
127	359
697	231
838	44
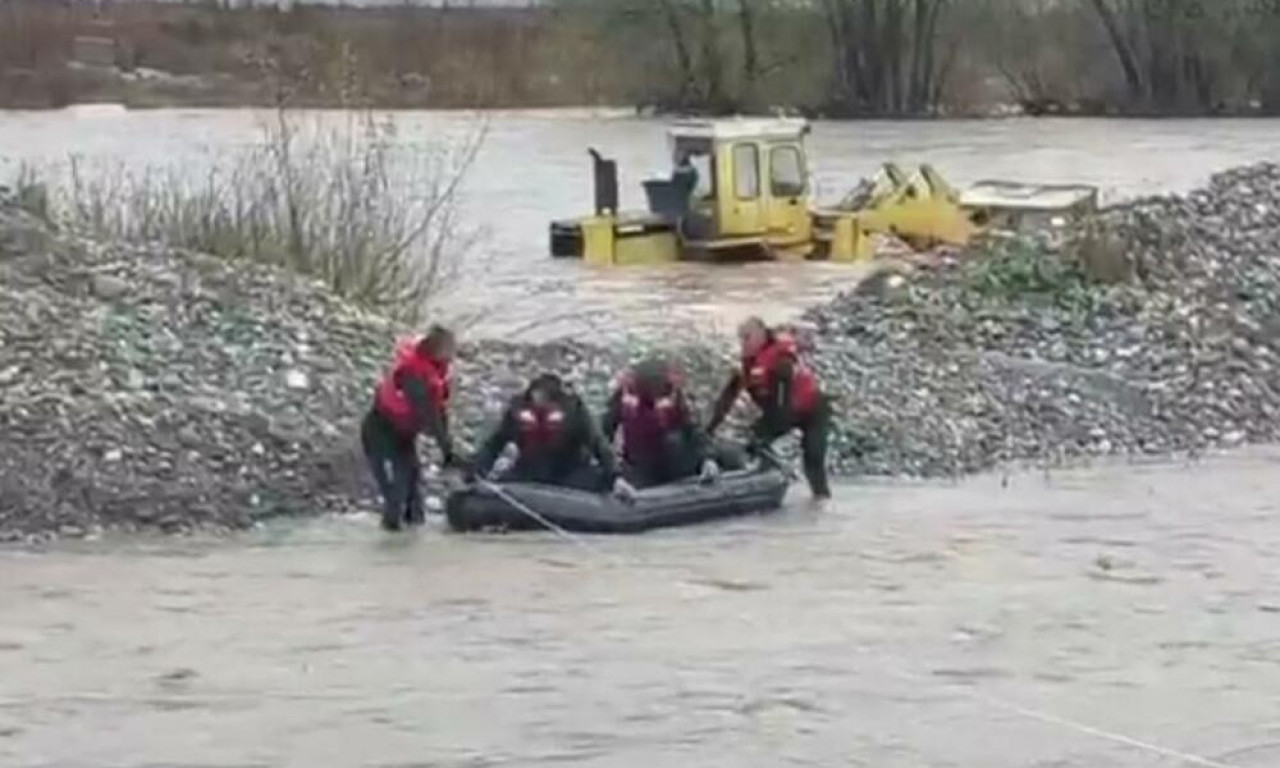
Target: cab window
700	155
705	188
746	171
786	172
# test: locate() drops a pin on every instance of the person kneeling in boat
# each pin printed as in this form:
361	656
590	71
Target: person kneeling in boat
556	437
788	395
661	443
412	399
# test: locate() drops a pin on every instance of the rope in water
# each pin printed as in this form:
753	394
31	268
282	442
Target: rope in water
542	520
896	669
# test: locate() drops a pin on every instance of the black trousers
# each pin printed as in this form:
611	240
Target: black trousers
393	461
583	476
676	460
815	431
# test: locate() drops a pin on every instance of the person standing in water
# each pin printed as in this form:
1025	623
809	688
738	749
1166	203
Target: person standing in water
412	399
788	395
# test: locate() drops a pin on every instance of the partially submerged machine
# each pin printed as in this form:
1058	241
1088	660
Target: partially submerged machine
741	188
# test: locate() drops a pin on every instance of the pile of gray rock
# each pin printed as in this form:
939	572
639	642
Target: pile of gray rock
144	387
1027	350
147	387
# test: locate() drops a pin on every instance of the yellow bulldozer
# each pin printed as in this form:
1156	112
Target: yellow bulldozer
740	189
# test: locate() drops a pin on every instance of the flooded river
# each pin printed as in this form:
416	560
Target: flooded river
1114	616
1098	618
534	167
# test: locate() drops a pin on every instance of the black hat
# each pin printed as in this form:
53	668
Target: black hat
548	382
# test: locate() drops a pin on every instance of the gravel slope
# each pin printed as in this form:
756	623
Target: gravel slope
144	387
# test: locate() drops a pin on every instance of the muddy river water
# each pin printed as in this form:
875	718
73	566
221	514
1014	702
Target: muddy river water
1032	621
1119	615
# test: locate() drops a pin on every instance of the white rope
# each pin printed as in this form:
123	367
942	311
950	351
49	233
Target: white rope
891	666
895	669
1100	733
542	520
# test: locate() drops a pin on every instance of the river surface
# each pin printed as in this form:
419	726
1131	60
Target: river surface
534	167
1033	621
1122	615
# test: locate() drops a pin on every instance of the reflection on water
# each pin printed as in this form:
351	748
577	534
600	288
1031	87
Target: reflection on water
534	167
1142	600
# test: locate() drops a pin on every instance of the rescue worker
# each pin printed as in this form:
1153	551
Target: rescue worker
556	438
684	180
788	395
412	399
661	442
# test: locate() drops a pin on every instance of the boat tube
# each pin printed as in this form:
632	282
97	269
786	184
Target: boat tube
733	494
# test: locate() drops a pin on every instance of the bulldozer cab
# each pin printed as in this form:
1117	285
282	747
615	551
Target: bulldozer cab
738	181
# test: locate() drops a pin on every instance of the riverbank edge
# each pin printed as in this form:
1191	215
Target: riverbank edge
907	388
1010	476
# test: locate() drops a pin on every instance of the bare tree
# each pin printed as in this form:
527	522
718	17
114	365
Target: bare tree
750	54
885	54
1171	52
684	58
712	56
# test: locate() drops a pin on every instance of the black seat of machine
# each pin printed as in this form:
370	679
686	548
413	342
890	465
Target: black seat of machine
666	198
605	173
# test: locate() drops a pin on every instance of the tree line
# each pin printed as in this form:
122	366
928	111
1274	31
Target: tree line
925	57
831	57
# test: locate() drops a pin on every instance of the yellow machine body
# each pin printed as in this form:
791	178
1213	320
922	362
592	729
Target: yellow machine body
752	197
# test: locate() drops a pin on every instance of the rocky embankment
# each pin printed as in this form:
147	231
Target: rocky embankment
151	388
1154	330
143	387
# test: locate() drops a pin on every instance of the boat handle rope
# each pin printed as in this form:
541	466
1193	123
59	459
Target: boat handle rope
524	509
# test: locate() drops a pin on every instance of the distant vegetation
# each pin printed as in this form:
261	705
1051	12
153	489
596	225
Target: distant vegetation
833	57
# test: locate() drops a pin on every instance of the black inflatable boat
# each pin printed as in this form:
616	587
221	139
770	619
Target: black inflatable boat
734	494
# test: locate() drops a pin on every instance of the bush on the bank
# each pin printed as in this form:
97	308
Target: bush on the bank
1101	254
1025	270
375	220
27	192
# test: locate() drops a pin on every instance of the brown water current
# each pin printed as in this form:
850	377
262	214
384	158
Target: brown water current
1119	615
895	629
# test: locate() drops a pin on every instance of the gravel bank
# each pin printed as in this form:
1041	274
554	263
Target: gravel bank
1154	332
148	388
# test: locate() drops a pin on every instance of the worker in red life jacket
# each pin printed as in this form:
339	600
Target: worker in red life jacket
787	394
412	399
556	438
661	442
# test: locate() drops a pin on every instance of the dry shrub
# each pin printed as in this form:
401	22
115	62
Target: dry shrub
374	219
1101	254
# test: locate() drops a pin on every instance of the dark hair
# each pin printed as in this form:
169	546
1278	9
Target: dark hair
755	322
550	383
652	373
437	336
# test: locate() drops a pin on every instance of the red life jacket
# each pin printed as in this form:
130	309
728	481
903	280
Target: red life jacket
390	399
760	374
539	428
645	424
